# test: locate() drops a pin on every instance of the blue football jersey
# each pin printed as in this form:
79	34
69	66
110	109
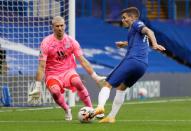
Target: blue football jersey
138	43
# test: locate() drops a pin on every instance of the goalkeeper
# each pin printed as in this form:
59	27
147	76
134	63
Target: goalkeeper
57	61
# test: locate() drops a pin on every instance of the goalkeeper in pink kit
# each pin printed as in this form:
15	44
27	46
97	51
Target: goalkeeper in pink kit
57	62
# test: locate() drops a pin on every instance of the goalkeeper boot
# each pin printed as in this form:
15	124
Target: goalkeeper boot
107	120
68	115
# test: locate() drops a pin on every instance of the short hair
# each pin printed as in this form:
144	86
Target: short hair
56	19
131	11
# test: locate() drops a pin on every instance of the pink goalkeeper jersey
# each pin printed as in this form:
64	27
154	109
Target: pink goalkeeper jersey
58	54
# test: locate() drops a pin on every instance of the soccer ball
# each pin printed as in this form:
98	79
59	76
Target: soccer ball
142	92
83	112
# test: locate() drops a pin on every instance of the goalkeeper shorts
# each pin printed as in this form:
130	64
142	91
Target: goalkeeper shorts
62	79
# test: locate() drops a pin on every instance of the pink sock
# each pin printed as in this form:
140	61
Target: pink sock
82	91
84	96
58	97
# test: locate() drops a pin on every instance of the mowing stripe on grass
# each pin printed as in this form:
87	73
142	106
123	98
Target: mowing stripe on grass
126	103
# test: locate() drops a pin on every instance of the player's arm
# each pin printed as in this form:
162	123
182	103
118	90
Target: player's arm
145	30
86	65
121	44
40	70
35	93
39	77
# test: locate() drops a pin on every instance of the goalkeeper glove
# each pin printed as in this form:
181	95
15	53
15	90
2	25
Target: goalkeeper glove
34	95
97	78
100	80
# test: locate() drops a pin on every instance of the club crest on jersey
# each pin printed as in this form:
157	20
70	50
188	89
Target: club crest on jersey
67	45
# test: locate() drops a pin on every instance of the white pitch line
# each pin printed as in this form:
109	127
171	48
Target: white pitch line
63	121
159	121
35	121
157	101
28	109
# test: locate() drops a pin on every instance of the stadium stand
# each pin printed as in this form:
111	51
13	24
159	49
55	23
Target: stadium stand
175	36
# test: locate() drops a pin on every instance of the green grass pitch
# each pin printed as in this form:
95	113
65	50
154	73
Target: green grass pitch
147	115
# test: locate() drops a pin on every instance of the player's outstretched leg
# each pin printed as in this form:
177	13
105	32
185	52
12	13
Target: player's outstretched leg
59	99
117	103
82	91
68	115
102	99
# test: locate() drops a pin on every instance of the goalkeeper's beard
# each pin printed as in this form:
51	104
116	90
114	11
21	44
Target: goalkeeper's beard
60	35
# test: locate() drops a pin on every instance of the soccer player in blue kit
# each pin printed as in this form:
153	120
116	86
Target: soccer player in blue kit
133	65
